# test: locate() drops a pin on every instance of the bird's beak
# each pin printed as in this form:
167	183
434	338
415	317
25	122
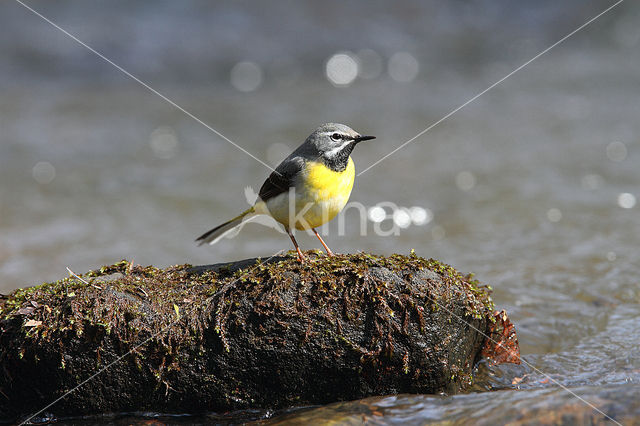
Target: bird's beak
363	138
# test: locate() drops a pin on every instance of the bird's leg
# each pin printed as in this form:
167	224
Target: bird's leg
326	247
295	244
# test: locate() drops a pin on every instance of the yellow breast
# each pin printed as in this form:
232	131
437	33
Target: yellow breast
328	190
324	184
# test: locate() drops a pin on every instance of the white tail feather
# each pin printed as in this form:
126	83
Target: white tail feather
217	233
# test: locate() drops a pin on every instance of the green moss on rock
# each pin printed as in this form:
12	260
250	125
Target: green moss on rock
244	334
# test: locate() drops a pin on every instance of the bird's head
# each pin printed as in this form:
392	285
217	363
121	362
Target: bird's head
335	141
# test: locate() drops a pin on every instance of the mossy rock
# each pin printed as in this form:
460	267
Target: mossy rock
248	334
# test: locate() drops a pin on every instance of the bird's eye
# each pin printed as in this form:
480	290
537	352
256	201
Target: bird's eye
336	137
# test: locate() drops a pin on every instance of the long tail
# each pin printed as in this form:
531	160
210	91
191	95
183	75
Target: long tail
214	235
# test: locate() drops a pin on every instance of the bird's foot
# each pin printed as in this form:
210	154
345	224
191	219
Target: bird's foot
301	257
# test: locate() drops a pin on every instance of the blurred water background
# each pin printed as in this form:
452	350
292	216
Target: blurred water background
533	186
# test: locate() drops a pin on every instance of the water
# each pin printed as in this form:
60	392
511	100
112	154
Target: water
524	184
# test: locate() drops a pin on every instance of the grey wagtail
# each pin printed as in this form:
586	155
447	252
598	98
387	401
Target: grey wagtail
308	189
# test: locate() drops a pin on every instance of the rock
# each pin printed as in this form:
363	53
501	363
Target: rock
248	334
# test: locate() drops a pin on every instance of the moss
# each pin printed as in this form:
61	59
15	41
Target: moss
94	305
171	309
339	286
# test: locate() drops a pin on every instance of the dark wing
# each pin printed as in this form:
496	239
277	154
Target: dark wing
283	178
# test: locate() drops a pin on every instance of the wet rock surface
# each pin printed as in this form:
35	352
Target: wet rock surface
243	335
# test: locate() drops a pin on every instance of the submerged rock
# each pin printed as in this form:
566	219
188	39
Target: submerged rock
248	334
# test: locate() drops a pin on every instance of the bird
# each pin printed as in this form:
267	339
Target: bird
307	189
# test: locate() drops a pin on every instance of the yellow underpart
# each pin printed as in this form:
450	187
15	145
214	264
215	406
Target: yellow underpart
328	190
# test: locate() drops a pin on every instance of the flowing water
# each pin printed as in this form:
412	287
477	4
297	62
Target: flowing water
532	186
